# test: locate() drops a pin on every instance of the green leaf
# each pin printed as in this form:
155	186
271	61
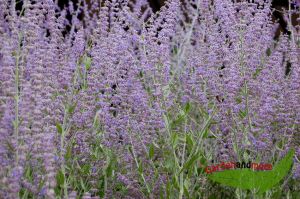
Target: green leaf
280	171
130	150
174	139
82	184
140	167
187	183
161	193
71	108
186	188
180	118
168	189
111	166
86	169
88	63
296	194
59	128
243	114
141	74
175	50
238	100
257	72
101	187
189	140
109	170
68	154
187	108
260	180
269	51
203	161
151	151
205	133
60	178
169	164
175	182
190	162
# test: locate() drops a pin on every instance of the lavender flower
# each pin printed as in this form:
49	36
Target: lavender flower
91	92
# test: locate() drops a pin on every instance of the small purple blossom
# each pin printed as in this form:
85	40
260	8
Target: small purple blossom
96	98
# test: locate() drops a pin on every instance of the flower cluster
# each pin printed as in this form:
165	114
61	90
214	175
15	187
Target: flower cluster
90	93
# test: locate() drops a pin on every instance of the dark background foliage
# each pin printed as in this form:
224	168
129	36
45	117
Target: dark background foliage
277	5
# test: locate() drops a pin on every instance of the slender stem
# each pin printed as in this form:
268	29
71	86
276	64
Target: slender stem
62	138
207	123
186	41
245	86
138	166
17	98
290	23
170	137
181	177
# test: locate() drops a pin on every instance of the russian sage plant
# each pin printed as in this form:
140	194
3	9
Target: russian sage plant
107	99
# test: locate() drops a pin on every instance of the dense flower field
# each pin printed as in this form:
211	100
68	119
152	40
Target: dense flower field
127	103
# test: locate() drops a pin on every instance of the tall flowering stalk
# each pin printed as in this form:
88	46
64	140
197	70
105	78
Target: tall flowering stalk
110	100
